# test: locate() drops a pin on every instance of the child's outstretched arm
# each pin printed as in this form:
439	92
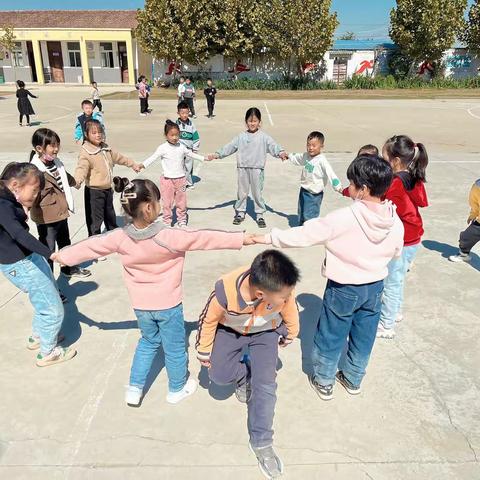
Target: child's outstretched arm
78	133
274	149
90	249
207	326
120	159
82	171
226	150
298	159
157	154
291	318
331	175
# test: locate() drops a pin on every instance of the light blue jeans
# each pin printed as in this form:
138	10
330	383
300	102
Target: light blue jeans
392	300
33	275
161	328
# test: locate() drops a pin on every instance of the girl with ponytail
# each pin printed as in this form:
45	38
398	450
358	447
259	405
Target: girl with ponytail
409	161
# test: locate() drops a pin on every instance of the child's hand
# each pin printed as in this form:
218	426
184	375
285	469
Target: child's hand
261	239
54	258
138	167
285	342
248	239
205	363
211	156
283	155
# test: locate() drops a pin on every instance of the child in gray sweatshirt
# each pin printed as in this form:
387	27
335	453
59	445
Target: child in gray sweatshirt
252	147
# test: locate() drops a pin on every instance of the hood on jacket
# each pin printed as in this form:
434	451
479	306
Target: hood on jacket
415	190
145	233
375	219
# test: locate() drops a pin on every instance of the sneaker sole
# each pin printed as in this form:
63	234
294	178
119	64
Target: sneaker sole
63	359
77	275
348	389
321	395
265	473
189	394
36	346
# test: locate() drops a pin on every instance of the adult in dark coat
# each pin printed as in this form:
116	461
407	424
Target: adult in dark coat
23	103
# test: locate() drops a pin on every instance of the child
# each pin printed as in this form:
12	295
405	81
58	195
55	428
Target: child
368	150
360	241
83	118
471	236
23	261
173	182
143	95
316	173
23	103
409	161
153	257
252	307
188	95
95	167
188	137
96	97
53	205
252	147
181	85
210	92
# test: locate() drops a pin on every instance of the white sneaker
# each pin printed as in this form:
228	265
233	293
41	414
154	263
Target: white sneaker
182	225
133	395
387	333
189	389
101	259
461	257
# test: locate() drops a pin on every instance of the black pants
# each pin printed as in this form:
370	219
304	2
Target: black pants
98	104
144	105
99	209
210	105
191	105
21	118
53	235
470	237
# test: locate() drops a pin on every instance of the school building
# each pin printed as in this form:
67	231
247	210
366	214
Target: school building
77	46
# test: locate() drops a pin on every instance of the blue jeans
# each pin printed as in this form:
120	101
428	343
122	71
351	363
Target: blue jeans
392	300
348	323
308	205
166	328
33	275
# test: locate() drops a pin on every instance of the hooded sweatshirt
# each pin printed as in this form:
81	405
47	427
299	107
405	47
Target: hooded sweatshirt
408	198
152	258
359	240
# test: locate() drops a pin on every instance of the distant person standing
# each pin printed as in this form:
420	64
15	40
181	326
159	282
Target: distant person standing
189	95
23	104
210	93
143	95
181	85
96	97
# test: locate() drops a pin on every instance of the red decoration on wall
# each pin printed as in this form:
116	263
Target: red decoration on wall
365	65
173	67
308	67
239	67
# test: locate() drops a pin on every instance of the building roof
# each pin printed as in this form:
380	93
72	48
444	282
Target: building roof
92	19
362	44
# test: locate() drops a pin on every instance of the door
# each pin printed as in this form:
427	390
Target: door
123	61
56	61
31	61
340	70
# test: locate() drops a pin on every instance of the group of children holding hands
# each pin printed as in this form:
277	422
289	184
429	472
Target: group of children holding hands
369	244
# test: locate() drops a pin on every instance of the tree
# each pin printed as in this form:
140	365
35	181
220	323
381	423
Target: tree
347	36
7	42
295	31
180	30
471	35
424	29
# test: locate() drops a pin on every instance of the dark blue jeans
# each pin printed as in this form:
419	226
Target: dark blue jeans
308	205
348	323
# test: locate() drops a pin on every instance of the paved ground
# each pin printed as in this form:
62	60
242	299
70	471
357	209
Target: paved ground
418	417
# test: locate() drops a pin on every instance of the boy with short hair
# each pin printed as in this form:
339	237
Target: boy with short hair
189	137
316	172
471	235
210	92
360	240
252	307
88	114
188	95
368	150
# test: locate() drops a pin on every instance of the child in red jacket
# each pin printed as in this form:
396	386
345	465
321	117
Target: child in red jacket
409	161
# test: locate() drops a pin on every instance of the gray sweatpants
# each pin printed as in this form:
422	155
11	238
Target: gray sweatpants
250	179
470	237
226	368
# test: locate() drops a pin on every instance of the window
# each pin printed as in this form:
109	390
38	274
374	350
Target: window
106	52
17	54
74	54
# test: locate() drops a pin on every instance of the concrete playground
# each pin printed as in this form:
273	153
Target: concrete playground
418	416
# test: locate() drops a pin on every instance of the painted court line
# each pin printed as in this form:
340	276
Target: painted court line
469	111
268	113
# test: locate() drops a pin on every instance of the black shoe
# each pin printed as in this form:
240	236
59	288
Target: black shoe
238	219
261	222
349	387
243	392
77	272
325	392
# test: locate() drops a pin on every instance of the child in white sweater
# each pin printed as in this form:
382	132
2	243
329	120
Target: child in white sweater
173	182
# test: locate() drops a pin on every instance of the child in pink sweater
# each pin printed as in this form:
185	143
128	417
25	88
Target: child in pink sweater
360	241
152	256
